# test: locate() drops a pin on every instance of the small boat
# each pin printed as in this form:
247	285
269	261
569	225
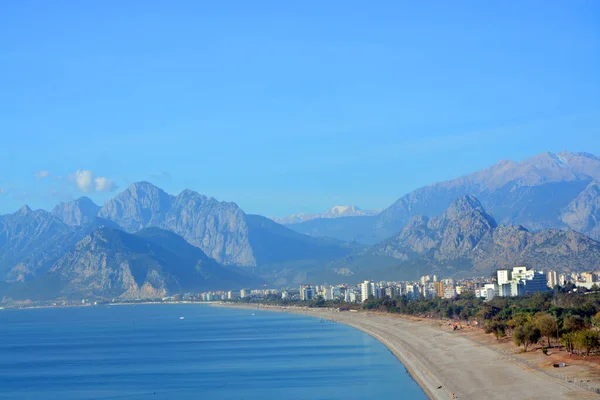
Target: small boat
181	317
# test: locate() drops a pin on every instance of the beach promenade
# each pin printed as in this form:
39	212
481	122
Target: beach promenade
446	364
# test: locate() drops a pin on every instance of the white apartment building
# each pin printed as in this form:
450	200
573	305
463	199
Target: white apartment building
552	279
307	292
519	280
367	288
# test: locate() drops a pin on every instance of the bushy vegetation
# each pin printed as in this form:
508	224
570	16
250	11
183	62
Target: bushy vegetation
554	318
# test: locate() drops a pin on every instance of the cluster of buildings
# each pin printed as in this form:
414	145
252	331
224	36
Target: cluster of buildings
505	283
581	279
514	282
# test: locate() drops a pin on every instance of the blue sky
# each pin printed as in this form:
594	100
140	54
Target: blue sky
286	106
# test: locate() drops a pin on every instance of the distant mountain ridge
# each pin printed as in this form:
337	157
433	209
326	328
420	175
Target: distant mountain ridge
535	212
218	228
466	239
34	243
334	212
545	191
109	263
76	212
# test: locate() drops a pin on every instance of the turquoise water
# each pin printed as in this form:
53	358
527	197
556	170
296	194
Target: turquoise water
148	352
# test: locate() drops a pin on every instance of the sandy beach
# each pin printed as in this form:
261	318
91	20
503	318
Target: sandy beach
446	363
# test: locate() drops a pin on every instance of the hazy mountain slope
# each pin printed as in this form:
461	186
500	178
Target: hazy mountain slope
583	213
76	212
220	229
39	261
213	273
334	212
31	241
110	263
349	229
27	233
273	243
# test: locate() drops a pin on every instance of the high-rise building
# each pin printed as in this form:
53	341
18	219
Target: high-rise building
488	291
244	293
390	292
439	289
367	288
412	291
552	279
588	277
562	279
503	276
307	292
536	282
519	281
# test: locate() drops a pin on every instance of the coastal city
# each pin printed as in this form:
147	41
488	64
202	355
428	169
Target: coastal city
512	282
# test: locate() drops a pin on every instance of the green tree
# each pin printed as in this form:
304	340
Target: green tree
573	323
498	328
547	325
596	320
587	340
526	334
517	320
567	341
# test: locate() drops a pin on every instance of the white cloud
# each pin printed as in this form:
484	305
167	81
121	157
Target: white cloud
104	184
42	174
87	182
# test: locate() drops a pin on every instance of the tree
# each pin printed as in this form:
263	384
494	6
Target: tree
526	335
596	320
573	323
498	328
547	325
587	340
318	301
517	320
567	341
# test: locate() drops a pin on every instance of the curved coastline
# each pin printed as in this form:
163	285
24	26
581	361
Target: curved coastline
447	365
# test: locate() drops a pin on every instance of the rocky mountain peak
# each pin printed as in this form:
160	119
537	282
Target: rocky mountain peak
145	190
191	195
142	204
76	212
24	210
464	209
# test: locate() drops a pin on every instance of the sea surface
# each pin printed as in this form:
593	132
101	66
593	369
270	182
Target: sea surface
148	352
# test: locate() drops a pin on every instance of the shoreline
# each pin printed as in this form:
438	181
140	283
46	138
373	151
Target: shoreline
445	363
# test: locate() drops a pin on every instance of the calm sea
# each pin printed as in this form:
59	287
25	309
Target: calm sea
148	352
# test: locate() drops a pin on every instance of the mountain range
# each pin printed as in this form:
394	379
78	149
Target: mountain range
546	191
465	240
144	242
40	246
334	212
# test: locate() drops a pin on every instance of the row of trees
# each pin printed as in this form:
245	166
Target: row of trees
553	319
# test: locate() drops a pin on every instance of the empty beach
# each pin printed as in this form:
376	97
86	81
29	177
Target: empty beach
446	363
